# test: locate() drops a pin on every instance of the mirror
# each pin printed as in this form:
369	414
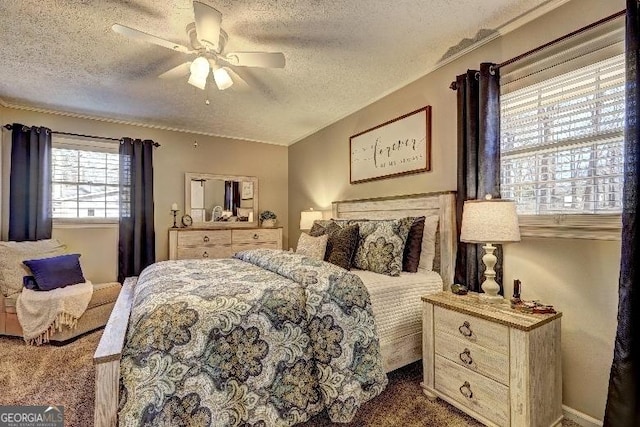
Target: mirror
221	200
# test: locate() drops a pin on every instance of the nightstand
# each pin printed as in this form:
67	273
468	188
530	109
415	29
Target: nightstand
498	365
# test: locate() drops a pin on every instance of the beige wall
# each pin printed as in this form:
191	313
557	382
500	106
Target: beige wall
577	276
176	156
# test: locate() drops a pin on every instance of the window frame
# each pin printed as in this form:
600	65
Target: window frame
592	226
66	142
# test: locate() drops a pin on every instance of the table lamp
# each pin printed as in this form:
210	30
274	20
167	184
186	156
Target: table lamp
489	221
307	218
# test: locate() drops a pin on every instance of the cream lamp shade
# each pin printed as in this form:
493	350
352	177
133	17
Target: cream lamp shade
489	221
307	218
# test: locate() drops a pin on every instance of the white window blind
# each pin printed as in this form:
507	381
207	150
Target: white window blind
561	141
85	180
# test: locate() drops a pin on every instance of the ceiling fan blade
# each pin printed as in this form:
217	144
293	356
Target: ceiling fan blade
176	72
208	22
142	36
240	84
256	59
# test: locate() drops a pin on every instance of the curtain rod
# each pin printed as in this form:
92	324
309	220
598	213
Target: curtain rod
106	138
552	42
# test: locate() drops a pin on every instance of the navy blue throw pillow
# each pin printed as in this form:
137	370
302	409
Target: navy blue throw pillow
29	282
56	272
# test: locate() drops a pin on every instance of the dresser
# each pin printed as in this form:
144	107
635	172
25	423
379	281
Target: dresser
496	364
190	243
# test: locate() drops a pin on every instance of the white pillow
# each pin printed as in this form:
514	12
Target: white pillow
313	247
428	252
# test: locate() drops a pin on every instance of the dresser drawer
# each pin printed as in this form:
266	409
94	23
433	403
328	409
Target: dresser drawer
237	247
204	237
203	252
480	394
256	235
474	357
490	335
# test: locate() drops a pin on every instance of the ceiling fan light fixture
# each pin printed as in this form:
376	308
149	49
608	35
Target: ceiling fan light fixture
200	66
199	72
222	78
198	81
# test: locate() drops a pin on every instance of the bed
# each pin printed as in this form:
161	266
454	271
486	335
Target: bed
401	331
399	326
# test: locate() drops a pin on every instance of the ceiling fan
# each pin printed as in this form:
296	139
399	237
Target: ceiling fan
207	41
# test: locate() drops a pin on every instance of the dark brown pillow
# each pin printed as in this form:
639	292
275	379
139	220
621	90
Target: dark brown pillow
342	244
413	246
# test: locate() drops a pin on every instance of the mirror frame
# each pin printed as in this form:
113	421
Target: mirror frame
189	176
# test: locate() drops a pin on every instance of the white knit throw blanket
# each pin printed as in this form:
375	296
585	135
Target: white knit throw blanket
42	313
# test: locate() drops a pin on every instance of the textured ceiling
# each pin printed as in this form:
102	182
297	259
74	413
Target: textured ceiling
341	55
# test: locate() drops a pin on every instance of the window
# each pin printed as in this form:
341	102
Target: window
562	125
85	180
562	142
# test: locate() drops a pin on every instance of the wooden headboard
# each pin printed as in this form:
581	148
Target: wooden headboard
428	204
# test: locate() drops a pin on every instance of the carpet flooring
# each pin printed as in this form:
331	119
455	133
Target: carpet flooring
65	376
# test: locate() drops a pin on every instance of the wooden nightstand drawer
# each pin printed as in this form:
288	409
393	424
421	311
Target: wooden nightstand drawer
490	335
204	252
204	237
256	235
484	396
474	357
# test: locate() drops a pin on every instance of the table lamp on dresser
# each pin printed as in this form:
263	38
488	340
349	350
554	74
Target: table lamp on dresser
489	221
307	218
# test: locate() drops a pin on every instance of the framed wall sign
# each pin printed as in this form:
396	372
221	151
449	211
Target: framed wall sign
398	147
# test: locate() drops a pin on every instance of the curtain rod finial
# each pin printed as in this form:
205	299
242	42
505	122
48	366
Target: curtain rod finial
453	86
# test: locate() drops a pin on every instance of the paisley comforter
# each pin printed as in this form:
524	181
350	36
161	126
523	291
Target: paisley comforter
269	338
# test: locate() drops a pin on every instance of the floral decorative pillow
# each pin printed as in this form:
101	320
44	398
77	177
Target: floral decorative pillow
313	247
381	245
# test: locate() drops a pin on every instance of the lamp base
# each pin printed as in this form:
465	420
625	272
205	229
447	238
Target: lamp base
490	287
491	299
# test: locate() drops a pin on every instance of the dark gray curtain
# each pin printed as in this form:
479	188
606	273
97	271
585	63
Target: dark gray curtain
30	183
137	241
232	196
478	162
623	400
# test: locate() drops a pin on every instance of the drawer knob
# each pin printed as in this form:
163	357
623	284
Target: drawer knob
465	329
255	236
465	389
205	254
206	239
465	357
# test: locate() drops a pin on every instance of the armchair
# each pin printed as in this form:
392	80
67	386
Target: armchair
11	271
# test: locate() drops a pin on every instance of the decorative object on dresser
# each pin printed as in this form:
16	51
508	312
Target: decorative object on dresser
220	243
187	221
268	219
307	218
174	211
489	221
499	365
398	147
